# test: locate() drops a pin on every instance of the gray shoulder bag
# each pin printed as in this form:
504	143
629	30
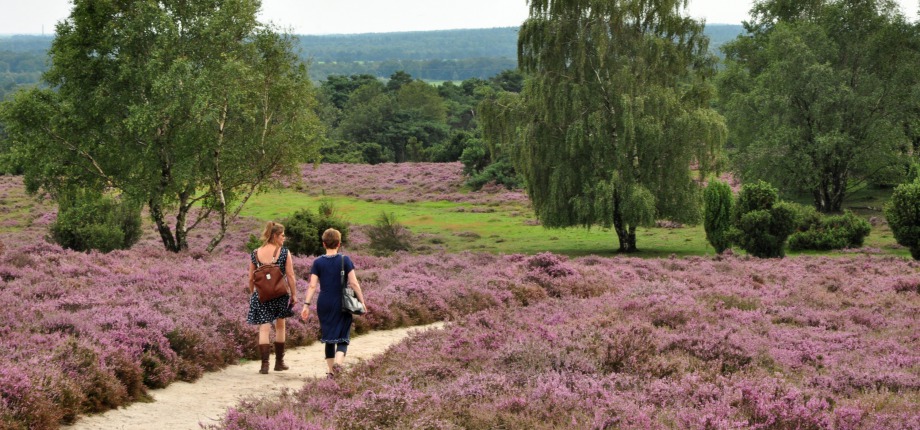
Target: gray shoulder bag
350	302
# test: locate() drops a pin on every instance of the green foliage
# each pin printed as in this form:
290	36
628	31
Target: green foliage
831	232
388	235
821	96
407	118
903	215
172	104
760	222
500	172
253	243
614	113
344	151
717	202
87	220
475	157
304	229
805	216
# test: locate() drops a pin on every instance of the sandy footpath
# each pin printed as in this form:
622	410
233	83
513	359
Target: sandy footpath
184	405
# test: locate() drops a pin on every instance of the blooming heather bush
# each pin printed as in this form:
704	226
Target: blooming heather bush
105	327
401	183
730	343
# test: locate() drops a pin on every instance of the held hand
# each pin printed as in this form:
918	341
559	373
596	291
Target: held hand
305	313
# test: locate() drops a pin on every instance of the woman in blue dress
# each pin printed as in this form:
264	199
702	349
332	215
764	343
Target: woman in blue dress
335	325
277	309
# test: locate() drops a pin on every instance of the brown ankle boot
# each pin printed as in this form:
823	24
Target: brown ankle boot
264	351
279	357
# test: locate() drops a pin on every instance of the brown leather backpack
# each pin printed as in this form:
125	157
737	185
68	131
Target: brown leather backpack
269	279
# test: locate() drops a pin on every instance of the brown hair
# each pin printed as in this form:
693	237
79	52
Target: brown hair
272	229
332	238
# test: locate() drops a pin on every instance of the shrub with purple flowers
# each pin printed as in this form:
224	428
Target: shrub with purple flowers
727	343
538	341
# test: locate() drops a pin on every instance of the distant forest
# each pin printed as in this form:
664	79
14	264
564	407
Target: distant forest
443	55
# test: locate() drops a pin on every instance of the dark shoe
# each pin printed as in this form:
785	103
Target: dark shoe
279	357
264	351
330	375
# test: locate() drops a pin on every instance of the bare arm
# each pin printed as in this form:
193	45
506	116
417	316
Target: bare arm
252	280
292	280
311	289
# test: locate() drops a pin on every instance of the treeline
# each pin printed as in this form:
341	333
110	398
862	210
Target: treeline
429	70
415	45
405	119
444	55
22	61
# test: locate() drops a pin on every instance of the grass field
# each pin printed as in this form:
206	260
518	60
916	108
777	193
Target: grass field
512	228
502	228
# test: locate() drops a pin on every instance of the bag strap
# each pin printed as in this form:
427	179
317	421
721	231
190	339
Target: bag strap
342	273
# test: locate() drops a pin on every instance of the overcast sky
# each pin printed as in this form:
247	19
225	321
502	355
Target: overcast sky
374	16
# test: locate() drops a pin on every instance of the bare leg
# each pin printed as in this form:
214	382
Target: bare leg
280	332
264	330
339	358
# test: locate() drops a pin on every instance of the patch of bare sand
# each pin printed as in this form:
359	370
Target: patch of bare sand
184	405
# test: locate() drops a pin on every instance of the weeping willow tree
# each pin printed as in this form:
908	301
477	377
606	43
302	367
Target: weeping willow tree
615	114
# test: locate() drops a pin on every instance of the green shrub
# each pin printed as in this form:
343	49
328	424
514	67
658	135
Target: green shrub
760	222
831	232
388	235
253	243
480	169
304	229
903	215
88	220
805	216
500	172
717	199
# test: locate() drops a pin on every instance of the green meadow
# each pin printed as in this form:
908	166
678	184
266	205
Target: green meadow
496	228
512	228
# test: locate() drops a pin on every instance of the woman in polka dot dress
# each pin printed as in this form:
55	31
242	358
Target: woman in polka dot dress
277	309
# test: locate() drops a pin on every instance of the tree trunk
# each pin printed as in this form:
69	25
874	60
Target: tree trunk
829	195
181	217
626	234
156	212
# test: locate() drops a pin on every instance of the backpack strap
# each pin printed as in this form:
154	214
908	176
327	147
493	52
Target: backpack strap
276	255
255	257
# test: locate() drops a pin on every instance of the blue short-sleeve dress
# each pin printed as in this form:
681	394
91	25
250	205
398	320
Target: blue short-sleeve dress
335	325
263	313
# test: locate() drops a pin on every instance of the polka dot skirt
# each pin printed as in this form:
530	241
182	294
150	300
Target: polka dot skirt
263	313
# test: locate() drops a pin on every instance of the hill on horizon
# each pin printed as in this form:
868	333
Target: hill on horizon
438	55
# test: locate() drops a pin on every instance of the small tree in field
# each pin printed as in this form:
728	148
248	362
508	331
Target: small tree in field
717	199
760	222
903	214
389	235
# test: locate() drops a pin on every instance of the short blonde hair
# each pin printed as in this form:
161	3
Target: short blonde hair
272	229
332	238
